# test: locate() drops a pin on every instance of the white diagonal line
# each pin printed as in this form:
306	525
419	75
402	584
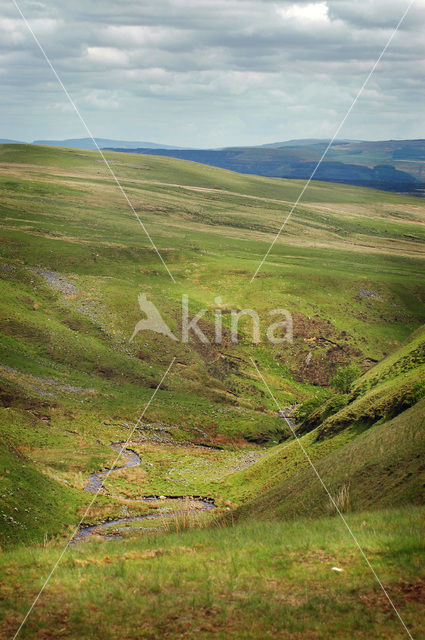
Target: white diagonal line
371	72
334	503
74	106
92	502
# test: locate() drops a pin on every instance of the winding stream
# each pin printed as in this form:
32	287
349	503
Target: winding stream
95	481
132	459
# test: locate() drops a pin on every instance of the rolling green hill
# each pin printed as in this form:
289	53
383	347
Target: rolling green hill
370	453
73	261
394	165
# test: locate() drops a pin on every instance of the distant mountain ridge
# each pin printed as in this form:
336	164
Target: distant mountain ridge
392	165
7	141
303	142
87	143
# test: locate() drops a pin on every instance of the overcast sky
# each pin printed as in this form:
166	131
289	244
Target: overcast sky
212	73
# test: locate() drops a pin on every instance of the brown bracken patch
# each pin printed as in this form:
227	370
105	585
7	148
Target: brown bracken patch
400	593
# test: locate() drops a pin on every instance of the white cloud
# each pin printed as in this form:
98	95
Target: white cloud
107	56
312	12
103	100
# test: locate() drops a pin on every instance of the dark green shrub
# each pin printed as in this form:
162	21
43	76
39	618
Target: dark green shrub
307	408
344	378
412	397
418	391
335	404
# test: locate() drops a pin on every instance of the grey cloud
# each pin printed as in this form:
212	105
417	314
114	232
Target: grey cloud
250	68
382	14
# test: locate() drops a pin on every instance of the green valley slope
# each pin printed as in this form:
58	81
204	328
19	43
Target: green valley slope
370	453
348	267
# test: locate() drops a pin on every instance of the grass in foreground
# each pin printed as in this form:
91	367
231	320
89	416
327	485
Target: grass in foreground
256	580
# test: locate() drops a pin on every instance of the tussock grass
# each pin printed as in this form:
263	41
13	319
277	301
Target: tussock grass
254	580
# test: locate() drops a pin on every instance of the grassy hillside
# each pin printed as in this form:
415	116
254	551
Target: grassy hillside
364	469
386	390
254	580
370	453
395	165
74	259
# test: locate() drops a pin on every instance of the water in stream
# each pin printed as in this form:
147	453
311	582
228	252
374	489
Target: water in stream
193	504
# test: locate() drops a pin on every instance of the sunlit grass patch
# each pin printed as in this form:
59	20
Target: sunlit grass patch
261	579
